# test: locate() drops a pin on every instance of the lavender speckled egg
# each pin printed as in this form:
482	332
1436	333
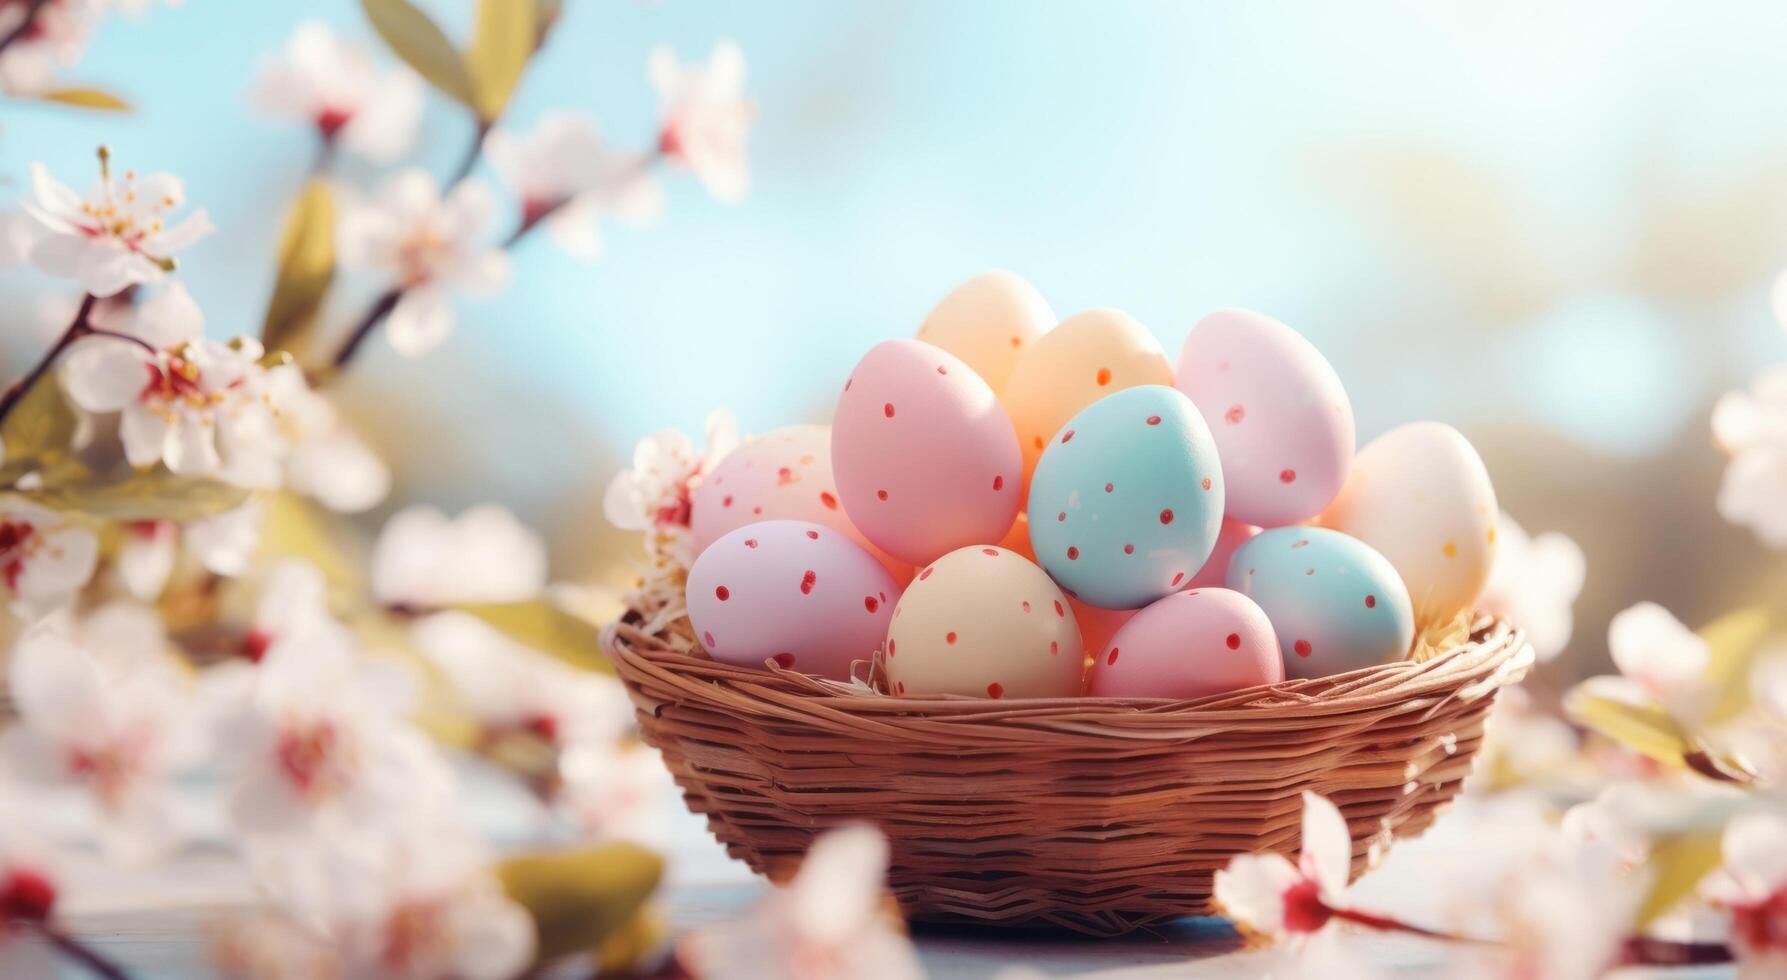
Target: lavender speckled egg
798	593
1126	503
1335	604
1189	645
988	322
784	474
1281	418
926	459
983	622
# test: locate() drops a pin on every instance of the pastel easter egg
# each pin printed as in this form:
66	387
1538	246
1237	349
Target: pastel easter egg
1189	645
1215	572
1090	355
982	621
987	322
1335	604
801	594
925	457
1281	419
1126	503
1096	624
1421	496
784	474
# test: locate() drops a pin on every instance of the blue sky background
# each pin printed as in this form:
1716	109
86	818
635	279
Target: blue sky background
1551	225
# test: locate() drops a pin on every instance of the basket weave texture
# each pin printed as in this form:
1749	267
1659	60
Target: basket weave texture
1095	815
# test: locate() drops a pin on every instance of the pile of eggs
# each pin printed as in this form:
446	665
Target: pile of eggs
1010	507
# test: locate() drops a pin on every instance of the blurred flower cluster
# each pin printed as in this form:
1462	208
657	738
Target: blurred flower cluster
197	620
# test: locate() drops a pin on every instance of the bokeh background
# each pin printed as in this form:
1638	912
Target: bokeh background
1554	226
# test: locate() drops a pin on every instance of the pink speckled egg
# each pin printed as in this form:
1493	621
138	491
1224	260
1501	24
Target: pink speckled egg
784	474
983	622
801	594
1097	625
1282	421
1189	645
926	459
987	322
1215	572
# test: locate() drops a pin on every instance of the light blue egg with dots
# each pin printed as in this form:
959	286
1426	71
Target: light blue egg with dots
1335	603
1126	501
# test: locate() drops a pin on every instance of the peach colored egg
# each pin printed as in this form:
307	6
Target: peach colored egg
784	474
987	322
1189	645
1018	538
1090	355
1281	419
1097	625
925	458
1215	572
1420	495
981	621
794	592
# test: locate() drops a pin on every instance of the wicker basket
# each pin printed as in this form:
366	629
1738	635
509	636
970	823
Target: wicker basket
1096	815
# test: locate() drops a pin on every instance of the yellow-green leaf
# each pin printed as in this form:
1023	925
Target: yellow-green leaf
580	898
294	527
148	495
544	627
40	427
1734	641
418	40
501	44
306	267
84	98
1677	864
1646	729
546	15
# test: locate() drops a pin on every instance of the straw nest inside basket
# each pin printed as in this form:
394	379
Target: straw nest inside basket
1094	814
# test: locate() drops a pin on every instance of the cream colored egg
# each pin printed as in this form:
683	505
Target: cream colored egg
982	621
988	322
1090	355
1420	495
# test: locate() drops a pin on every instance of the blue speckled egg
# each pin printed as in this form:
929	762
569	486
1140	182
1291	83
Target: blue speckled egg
1335	604
1126	501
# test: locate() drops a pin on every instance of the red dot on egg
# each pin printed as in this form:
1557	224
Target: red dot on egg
1234	415
726	501
1287	476
995	690
1103	377
828	500
1060	611
990	551
813	535
806	583
1129	549
883	596
887	410
1371	602
900	688
1026	605
1153	420
1300	543
750	542
848	382
890	647
871	603
784	660
1039	442
757	510
708	638
1017	341
950	637
926	573
1073	553
1234	641
1067	437
881	495
998	483
1109	487
1177	578
1206	483
1166	516
722	593
1302	647
942	370
1108	661
1061	516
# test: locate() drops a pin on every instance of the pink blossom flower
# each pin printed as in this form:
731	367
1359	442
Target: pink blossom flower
706	117
1535	582
322	79
1752	427
55	40
1753	886
118	235
426	560
654	495
45	557
565	176
1268	895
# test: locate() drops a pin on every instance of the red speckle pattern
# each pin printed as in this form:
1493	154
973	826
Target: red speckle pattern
942	370
1301	543
1067	437
1054	648
925	574
1061	516
1060	611
998	483
1206	483
1166	516
950	637
1026	605
814	535
708	638
1303	648
1153	420
806	583
890	647
1371	602
990	551
784	660
1177	578
1287	476
900	688
1103	377
1129	549
1234	641
1234	415
750	542
871	603
1112	658
1109	487
722	593
1073	553
826	498
888	410
995	690
785	475
726	501
881	495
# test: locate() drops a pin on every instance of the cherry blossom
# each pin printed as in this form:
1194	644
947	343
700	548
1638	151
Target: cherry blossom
1660	661
706	117
118	235
654	495
328	461
55	40
1752	426
146	557
225	544
829	923
424	559
324	744
616	792
1523	744
100	707
29	887
1267	895
1753	886
432	246
1534	582
195	405
45	557
565	177
322	79
1561	909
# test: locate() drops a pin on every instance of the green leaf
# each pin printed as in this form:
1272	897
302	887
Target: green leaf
40	427
580	898
542	626
147	495
1677	864
501	44
1643	728
306	267
84	98
419	41
294	527
1734	640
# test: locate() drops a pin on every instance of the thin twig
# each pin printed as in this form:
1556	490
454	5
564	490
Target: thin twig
77	329
472	154
83	954
23	27
93	331
381	308
1384	923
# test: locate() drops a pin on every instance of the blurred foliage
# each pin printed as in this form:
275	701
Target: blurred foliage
580	899
306	268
